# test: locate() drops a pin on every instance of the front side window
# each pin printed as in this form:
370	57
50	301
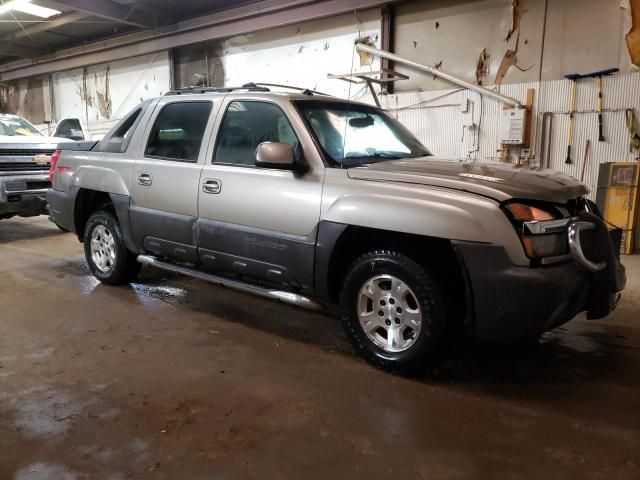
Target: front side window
248	124
353	134
178	130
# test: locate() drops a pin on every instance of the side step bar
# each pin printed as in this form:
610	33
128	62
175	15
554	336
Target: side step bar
282	296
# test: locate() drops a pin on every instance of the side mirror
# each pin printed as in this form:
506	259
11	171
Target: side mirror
77	135
276	155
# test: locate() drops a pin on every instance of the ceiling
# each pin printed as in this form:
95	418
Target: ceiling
82	21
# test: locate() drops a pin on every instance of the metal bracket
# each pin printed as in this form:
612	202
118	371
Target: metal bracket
386	76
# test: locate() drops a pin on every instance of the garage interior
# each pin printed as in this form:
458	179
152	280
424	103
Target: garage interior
171	377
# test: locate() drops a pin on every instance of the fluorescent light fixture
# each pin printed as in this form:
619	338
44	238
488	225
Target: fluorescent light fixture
25	6
6	6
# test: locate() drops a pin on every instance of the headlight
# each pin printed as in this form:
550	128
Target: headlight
551	243
526	213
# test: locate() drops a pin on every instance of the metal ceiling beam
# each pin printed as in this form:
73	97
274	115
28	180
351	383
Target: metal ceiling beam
228	23
55	22
111	10
16	50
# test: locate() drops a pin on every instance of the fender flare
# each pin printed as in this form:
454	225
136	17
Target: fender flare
100	179
120	204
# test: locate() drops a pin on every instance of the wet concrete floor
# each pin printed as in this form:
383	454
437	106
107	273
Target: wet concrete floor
173	378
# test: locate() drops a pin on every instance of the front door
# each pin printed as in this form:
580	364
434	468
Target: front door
164	187
258	222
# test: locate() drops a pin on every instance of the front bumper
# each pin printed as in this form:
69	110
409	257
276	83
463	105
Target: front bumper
512	302
23	195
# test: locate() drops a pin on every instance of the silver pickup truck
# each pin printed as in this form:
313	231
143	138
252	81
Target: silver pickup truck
314	200
25	155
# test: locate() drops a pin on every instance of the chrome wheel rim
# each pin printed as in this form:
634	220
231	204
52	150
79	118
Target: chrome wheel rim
103	248
389	313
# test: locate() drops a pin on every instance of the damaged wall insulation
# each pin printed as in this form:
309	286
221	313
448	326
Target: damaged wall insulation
101	94
299	55
581	36
518	8
29	98
632	38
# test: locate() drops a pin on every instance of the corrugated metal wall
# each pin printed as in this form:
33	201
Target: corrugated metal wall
439	124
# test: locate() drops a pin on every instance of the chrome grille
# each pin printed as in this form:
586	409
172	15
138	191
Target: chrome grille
15	186
23	167
23	153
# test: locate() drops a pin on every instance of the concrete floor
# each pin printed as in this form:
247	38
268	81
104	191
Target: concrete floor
172	378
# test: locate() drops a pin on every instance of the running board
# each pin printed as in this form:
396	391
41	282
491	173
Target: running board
280	295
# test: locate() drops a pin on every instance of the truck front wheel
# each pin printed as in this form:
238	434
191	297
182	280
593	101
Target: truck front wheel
106	252
393	312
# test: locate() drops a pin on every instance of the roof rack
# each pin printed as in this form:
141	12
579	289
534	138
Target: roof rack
250	87
305	91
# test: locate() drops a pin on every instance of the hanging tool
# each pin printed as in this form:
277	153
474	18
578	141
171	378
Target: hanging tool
632	126
545	147
572	107
574	77
584	160
598	76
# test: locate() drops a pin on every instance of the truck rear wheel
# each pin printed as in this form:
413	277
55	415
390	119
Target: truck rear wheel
106	252
393	312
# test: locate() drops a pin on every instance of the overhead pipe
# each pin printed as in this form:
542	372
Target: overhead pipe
438	73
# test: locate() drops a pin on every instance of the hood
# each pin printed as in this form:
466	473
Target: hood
16	140
500	181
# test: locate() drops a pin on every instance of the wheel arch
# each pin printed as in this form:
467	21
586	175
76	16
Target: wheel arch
89	201
339	245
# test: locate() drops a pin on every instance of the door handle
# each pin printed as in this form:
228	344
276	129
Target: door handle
211	186
144	179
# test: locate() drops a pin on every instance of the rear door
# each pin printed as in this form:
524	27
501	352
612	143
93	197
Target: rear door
164	184
259	222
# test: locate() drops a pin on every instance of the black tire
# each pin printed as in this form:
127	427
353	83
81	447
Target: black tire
62	229
430	343
124	267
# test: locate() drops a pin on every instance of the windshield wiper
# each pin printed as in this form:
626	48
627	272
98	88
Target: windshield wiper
385	155
361	160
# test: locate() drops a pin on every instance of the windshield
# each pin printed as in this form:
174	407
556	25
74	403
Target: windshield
13	126
353	134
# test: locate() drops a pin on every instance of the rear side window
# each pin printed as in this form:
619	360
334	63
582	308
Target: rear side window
126	129
118	141
178	131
